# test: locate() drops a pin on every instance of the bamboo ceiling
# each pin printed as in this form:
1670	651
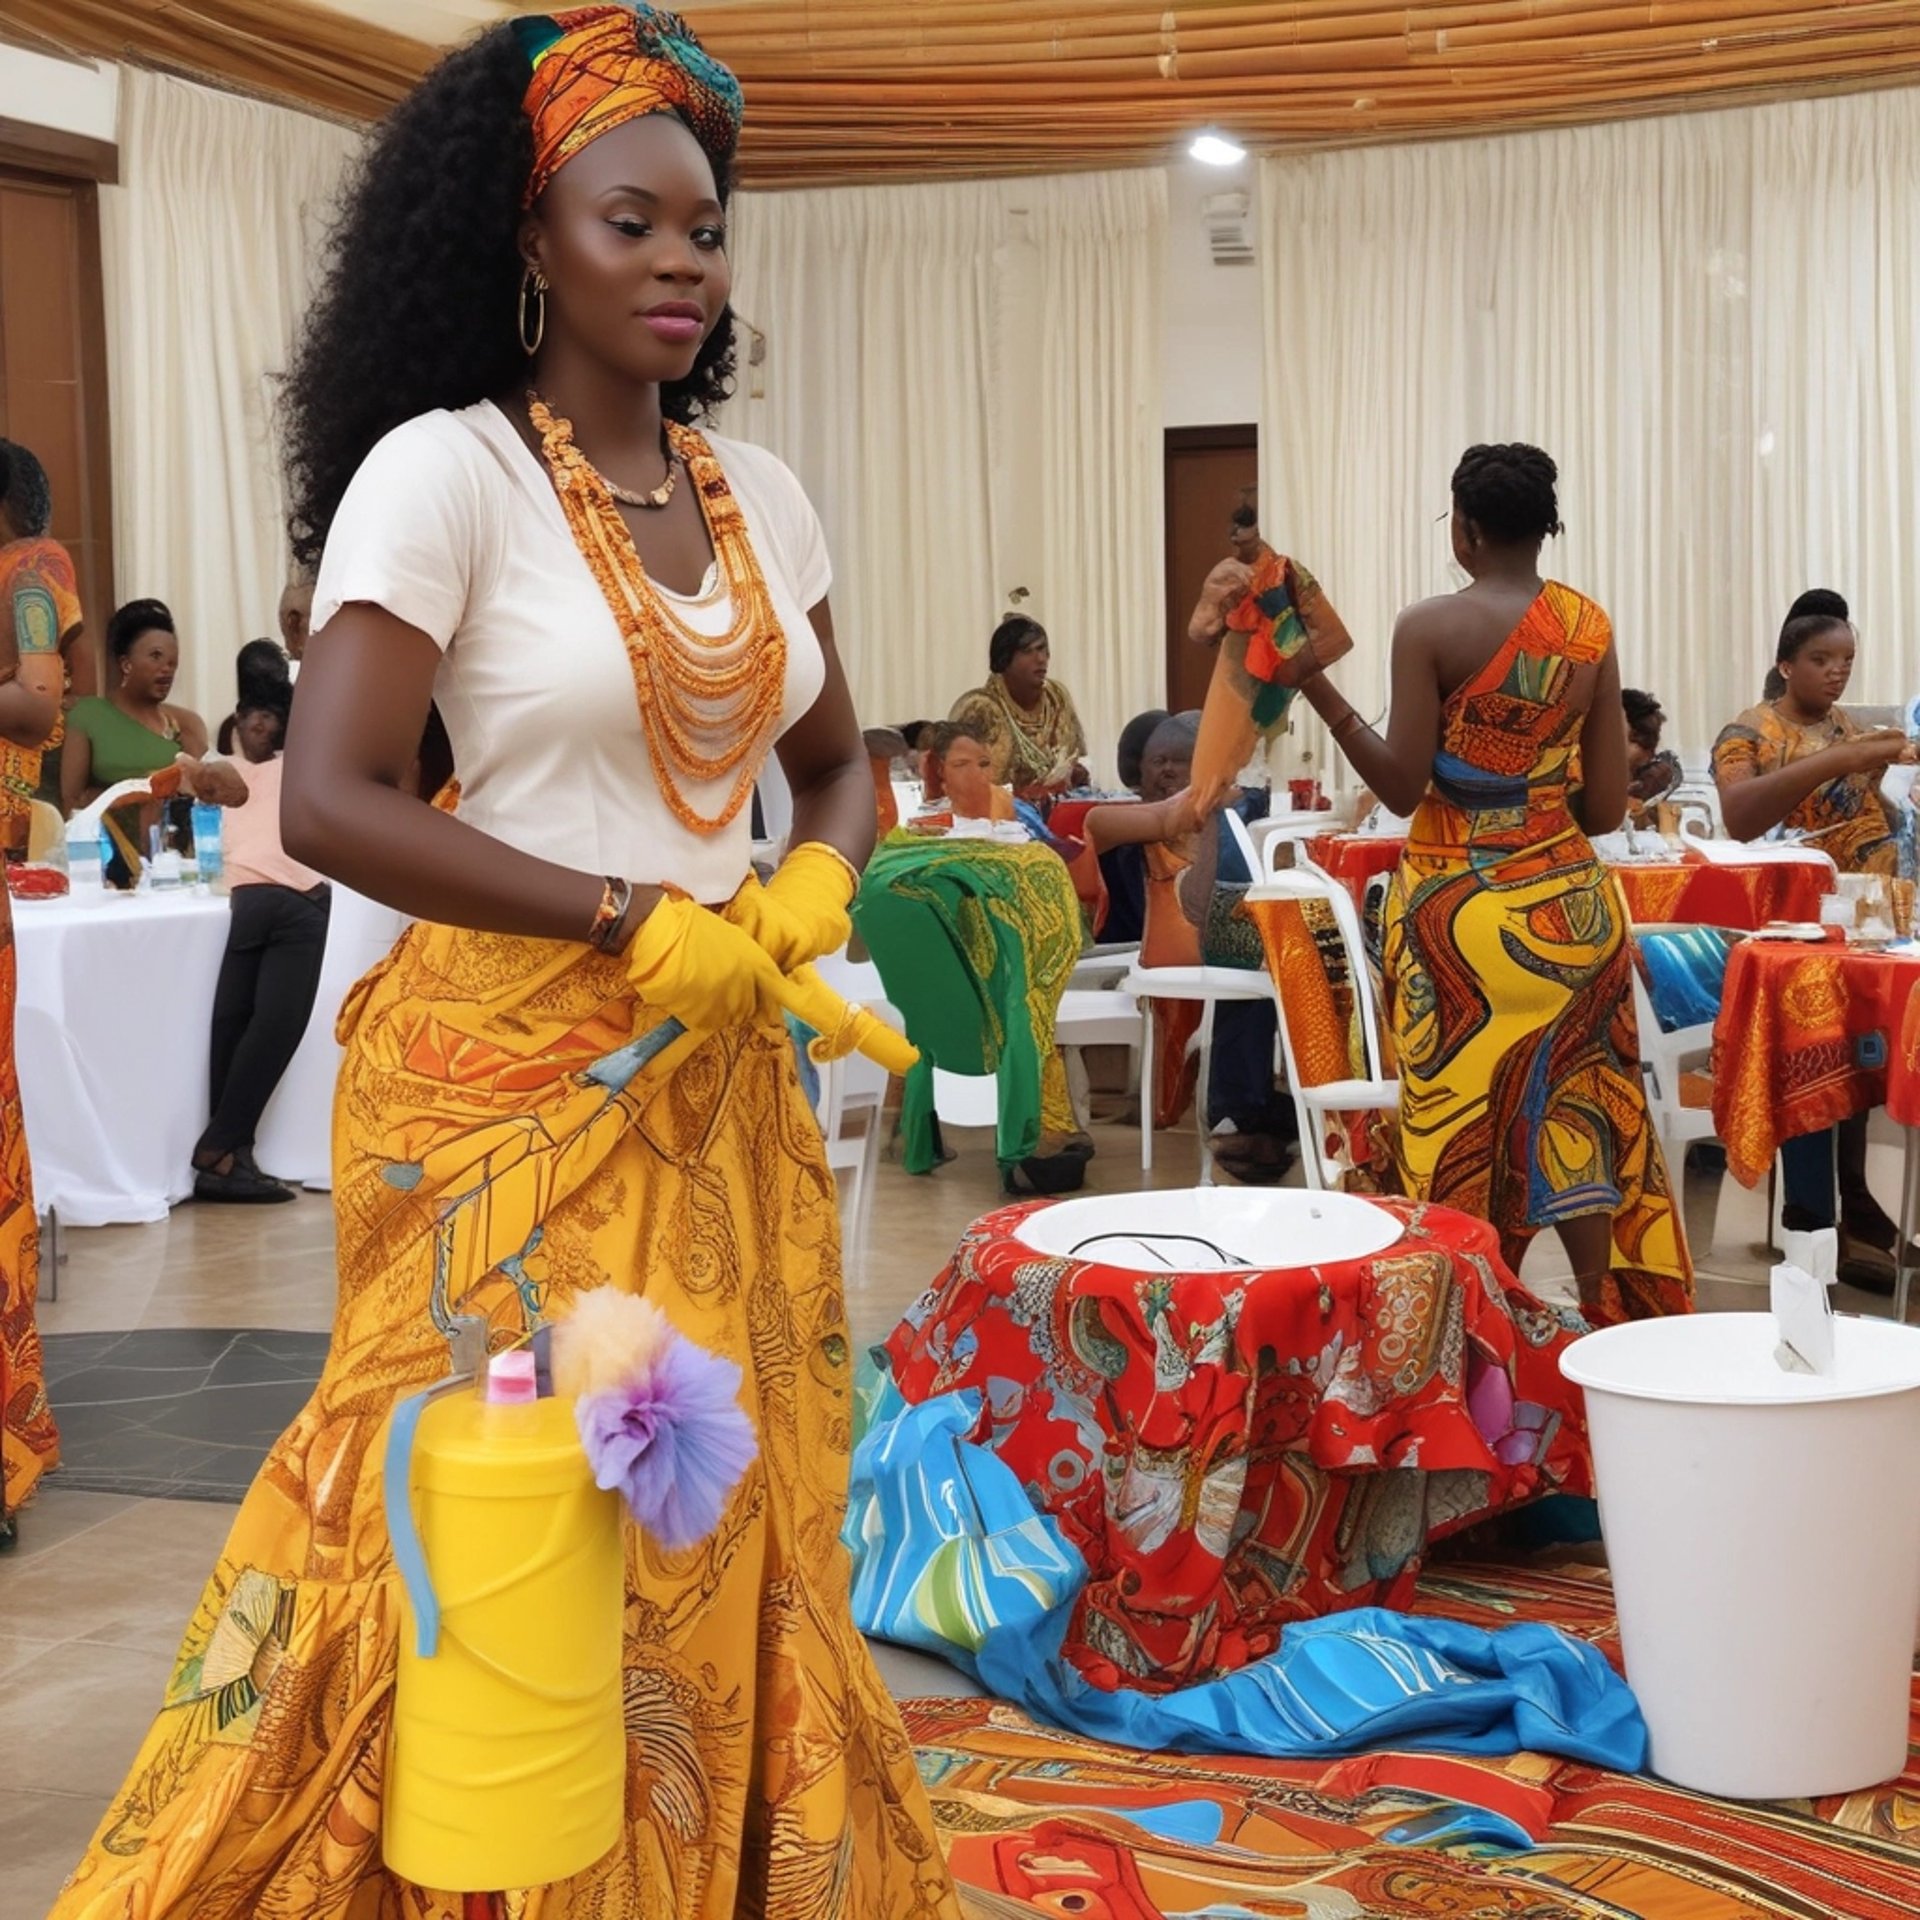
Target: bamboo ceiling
842	90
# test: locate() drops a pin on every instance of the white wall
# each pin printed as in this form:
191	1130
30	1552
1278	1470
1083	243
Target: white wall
66	94
1213	344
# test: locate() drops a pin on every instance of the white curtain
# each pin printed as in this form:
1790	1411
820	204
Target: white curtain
876	309
209	244
1709	321
1101	246
967	379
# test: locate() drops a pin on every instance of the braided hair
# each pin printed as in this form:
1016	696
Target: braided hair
1508	492
24	491
1813	613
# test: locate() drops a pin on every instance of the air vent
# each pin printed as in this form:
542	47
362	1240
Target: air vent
1229	229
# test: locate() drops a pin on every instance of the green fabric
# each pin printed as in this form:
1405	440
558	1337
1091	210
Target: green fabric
122	749
974	941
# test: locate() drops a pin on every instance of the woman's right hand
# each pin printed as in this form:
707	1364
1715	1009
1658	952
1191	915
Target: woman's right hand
708	973
1882	748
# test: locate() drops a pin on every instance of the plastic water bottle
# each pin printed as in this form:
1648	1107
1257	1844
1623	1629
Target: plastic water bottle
83	861
108	853
163	863
207	851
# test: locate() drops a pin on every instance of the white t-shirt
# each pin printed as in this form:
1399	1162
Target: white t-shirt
452	524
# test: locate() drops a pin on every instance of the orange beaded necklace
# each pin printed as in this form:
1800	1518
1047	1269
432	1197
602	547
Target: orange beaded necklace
709	704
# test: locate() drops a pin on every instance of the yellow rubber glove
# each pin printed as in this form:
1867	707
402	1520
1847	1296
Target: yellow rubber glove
688	961
801	912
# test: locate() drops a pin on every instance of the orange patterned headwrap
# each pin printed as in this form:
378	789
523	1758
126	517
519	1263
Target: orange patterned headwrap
596	68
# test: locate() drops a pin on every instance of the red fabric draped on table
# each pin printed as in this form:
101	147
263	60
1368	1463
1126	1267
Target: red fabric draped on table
1690	891
1803	1040
1233	1451
1903	1070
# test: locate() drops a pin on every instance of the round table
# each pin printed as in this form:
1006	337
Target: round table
1245	1407
111	1034
110	1031
1804	1039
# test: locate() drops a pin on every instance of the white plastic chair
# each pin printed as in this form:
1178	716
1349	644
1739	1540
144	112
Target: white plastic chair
1664	1059
1095	1017
1372	1093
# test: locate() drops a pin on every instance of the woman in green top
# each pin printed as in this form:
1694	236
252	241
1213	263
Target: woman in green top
131	730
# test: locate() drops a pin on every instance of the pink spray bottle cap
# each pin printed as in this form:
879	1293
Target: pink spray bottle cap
512	1378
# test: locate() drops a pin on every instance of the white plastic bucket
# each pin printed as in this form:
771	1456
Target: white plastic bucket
1764	1533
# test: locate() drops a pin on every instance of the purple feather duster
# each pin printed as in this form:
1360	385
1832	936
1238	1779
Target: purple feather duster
672	1440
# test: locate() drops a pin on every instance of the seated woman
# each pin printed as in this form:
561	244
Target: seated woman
1252	1126
276	939
131	731
958	770
1025	716
1652	773
1507	965
1798	761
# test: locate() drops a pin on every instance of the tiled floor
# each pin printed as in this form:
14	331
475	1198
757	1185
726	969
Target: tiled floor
93	1601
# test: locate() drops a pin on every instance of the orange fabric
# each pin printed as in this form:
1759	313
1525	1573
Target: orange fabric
1805	1038
600	67
29	1445
1688	892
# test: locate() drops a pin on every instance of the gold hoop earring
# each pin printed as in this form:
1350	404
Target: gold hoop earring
534	286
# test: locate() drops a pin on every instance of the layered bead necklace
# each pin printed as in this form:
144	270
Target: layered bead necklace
709	704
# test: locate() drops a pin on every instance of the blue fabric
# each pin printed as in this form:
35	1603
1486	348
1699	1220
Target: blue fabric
950	1557
1686	970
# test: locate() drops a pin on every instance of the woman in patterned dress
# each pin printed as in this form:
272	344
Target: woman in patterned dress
615	629
1506	942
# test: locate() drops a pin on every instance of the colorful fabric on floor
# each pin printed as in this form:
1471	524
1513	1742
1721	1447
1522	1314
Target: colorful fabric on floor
1229	1452
1508	986
29	1444
975	943
950	1557
495	1150
1037	1821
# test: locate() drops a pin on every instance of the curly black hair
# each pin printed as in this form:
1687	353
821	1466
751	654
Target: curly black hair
134	619
419	305
24	489
1509	491
1014	635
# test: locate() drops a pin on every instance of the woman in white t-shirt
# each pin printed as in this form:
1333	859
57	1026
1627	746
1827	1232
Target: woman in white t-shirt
616	618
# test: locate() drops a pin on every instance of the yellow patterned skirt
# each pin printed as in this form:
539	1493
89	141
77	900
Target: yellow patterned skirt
1521	1103
491	1151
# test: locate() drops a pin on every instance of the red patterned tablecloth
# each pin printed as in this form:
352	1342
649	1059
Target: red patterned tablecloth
1691	891
1233	1451
1804	1039
1903	1070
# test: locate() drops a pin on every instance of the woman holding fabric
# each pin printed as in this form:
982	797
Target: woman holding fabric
490	433
1025	715
1797	760
1506	950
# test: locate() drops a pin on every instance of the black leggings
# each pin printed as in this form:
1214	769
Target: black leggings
267	982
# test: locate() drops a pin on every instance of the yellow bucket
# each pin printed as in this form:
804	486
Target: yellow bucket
507	1763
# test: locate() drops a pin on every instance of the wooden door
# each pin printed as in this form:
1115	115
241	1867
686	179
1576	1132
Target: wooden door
53	366
1209	471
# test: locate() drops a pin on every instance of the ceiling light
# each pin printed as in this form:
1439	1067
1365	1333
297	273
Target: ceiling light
1216	150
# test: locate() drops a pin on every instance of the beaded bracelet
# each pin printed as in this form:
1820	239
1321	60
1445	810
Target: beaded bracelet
615	899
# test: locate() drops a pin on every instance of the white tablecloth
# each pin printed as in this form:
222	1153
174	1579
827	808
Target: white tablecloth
111	1032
